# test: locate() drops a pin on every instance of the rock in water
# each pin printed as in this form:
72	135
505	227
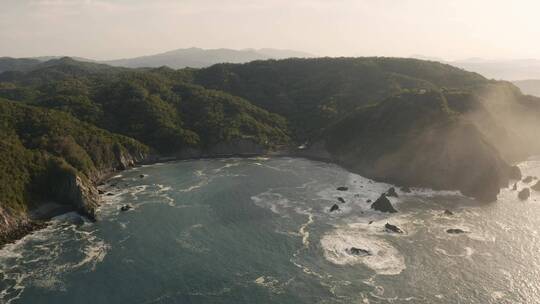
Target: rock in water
515	187
141	176
524	194
341	200
455	231
405	189
528	179
368	201
515	173
391	192
358	251
448	212
125	208
382	204
334	208
536	187
342	188
393	228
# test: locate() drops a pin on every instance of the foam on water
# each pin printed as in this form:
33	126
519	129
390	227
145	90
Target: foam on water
36	259
384	258
310	245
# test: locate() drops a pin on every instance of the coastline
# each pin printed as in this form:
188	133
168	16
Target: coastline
34	223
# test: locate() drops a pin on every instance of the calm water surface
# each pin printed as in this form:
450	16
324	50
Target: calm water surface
260	231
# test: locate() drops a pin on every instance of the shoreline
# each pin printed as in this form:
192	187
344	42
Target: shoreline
35	224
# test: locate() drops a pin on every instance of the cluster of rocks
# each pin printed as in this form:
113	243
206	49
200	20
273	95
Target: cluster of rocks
383	204
525	193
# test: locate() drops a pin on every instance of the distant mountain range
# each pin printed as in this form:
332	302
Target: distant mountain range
199	58
176	59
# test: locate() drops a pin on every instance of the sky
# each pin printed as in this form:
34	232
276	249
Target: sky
112	29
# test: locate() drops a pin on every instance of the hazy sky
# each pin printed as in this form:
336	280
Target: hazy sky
108	29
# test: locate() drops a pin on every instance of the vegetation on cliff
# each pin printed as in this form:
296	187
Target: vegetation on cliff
40	147
156	107
401	120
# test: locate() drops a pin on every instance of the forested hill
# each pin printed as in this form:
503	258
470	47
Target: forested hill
385	118
314	92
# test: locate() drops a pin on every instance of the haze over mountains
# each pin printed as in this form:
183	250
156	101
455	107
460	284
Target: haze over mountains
195	57
524	73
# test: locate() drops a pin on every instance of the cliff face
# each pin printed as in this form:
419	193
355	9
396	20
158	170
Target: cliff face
415	140
454	157
70	188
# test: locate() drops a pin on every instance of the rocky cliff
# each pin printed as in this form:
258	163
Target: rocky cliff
416	140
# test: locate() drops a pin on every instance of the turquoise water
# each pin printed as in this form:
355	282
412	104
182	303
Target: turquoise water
260	231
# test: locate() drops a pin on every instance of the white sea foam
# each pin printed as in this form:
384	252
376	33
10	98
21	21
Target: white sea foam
467	252
271	283
274	201
384	258
35	258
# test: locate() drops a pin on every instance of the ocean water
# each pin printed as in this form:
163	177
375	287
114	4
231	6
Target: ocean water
259	231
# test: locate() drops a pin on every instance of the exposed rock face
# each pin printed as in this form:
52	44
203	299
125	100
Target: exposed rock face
16	226
393	228
382	204
78	192
70	189
341	200
524	194
412	140
342	188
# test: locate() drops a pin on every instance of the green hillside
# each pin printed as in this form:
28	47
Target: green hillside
404	121
39	148
314	92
